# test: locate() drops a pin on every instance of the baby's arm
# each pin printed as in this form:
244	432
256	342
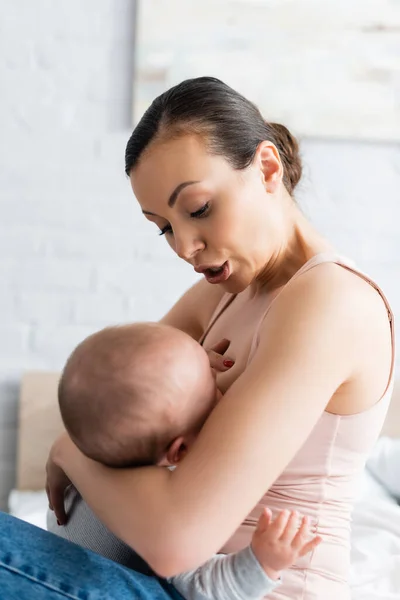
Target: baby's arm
236	576
254	571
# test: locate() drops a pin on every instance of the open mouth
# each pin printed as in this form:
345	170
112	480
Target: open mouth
217	274
215	270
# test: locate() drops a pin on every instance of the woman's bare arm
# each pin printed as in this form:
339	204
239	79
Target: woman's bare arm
177	520
192	312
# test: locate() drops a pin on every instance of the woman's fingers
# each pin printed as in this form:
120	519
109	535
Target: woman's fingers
221	347
57	504
218	362
48	493
56	483
217	358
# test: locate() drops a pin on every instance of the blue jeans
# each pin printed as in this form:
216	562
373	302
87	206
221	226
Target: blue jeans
38	565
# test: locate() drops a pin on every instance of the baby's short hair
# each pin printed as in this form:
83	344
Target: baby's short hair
118	391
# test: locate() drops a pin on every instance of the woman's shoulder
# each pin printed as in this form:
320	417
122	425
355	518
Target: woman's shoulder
334	289
343	314
341	283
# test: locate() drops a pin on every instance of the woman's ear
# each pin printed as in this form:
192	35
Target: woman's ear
270	165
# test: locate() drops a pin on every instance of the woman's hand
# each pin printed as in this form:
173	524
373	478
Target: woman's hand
218	361
56	482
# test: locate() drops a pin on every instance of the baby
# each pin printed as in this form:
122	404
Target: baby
138	395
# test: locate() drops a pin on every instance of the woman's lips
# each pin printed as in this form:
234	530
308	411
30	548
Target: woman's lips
218	276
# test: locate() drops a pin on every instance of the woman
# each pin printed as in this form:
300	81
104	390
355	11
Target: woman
312	340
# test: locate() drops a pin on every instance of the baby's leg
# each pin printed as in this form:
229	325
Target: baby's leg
85	529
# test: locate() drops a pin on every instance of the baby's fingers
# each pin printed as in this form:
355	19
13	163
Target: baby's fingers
279	525
302	534
290	531
311	545
264	520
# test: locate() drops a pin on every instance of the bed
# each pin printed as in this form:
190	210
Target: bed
376	518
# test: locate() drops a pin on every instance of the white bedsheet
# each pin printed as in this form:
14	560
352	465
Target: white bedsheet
375	529
29	506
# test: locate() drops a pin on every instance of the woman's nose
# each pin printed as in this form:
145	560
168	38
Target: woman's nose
187	247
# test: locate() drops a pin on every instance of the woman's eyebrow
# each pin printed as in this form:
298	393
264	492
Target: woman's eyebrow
173	197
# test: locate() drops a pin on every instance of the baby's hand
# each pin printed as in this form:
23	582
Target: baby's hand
278	544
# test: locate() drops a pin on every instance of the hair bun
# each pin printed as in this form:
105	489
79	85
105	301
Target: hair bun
288	148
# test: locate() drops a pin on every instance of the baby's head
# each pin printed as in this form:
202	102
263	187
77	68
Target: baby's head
137	394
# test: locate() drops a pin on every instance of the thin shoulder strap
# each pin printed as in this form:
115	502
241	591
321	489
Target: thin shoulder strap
222	305
350	266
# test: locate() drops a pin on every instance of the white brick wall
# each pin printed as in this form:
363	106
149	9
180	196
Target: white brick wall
75	253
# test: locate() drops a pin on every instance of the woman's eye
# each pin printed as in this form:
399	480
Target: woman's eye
201	212
198	214
164	230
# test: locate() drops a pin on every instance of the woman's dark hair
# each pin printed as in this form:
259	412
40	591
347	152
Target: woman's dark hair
231	125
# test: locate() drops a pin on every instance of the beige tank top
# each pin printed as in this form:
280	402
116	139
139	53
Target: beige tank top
321	479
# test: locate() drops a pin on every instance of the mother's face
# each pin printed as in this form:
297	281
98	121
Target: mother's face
212	215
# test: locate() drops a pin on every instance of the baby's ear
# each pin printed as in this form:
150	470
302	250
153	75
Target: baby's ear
163	462
176	451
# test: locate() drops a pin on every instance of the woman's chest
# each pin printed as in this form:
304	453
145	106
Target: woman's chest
238	323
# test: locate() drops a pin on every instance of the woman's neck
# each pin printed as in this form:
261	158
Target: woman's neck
301	244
